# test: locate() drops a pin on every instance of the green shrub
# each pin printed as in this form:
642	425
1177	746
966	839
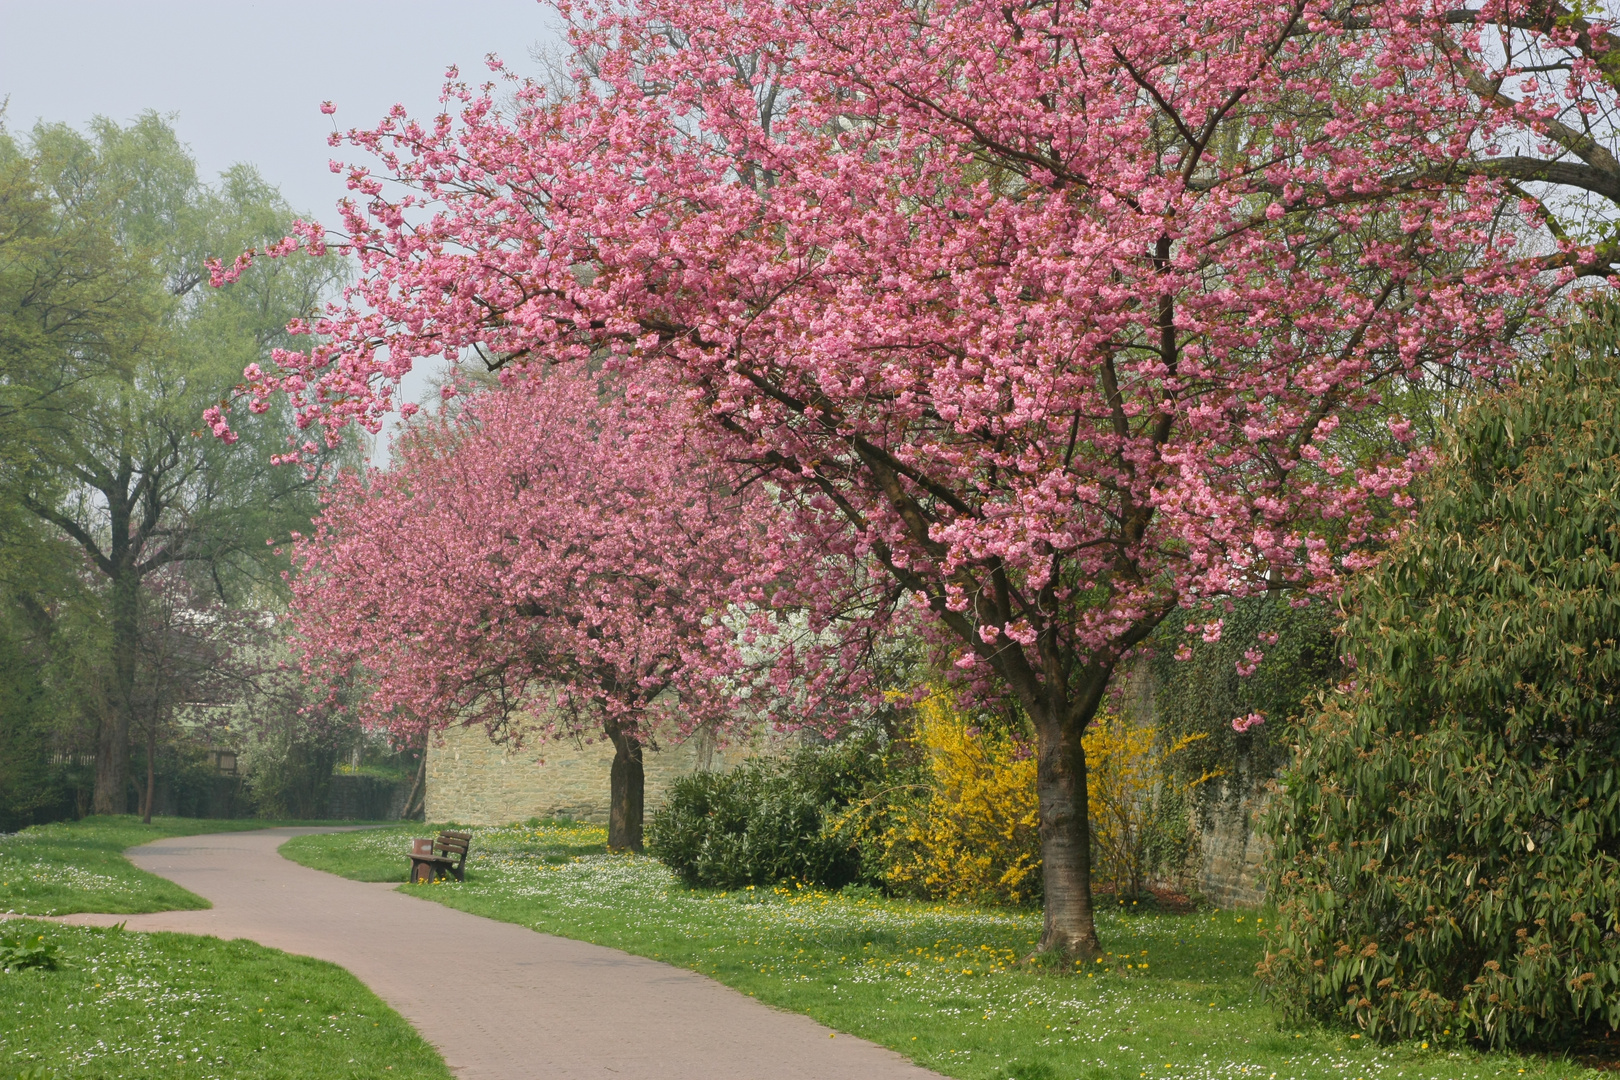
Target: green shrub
1447	841
288	769
769	820
34	789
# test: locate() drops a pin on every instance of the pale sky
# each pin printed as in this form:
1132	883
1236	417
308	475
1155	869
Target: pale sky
244	80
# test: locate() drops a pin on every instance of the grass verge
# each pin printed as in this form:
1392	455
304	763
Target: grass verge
75	866
122	1004
1173	998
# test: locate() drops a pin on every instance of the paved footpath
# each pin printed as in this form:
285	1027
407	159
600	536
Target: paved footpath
499	1001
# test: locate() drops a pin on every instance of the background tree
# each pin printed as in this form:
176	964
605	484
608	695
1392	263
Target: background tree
44	604
113	353
68	290
557	559
196	657
67	294
1448	837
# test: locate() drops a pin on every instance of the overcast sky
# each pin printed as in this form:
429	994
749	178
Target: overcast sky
244	80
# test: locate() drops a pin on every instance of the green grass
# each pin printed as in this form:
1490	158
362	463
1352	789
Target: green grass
381	772
1174	997
80	866
179	1007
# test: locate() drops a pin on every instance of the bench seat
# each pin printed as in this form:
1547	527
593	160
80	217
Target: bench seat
448	859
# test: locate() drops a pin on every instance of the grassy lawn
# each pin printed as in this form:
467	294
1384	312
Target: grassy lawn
1174	997
123	1004
80	866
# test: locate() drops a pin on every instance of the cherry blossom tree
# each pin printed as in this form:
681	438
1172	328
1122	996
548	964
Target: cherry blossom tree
1050	316
548	557
1546	83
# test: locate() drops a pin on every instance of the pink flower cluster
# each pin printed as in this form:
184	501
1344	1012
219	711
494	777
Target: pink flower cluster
1246	723
559	555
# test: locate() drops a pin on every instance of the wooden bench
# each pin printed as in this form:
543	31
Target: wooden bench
446	856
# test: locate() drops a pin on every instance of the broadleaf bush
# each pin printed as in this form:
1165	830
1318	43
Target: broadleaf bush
1447	839
20	954
769	820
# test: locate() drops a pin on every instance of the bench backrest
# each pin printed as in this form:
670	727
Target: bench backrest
453	845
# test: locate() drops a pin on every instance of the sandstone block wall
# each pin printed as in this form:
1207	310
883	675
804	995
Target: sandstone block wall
1231	853
473	781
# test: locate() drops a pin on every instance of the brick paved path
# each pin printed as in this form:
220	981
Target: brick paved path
501	1002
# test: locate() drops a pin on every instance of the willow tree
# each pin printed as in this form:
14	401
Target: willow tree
111	354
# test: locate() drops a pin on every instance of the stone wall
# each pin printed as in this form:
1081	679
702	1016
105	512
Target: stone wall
473	781
1231	853
1227	860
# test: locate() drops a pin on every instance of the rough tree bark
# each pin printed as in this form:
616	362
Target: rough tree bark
628	791
1065	830
151	774
417	796
112	740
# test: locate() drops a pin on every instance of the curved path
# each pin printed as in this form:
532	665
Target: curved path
499	1001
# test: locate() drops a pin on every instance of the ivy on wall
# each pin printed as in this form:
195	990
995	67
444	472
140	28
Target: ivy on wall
1198	689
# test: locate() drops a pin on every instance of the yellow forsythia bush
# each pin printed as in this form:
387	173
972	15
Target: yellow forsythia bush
1136	804
973	835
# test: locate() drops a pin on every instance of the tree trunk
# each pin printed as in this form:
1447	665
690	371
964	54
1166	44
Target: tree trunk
112	741
112	744
628	789
418	789
151	771
1060	784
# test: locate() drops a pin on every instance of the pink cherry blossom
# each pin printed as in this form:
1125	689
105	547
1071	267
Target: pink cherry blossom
1046	317
1246	723
547	564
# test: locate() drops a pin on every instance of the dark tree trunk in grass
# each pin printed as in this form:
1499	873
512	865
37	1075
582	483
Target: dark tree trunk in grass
1070	927
417	796
1060	785
151	772
112	741
112	748
628	792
